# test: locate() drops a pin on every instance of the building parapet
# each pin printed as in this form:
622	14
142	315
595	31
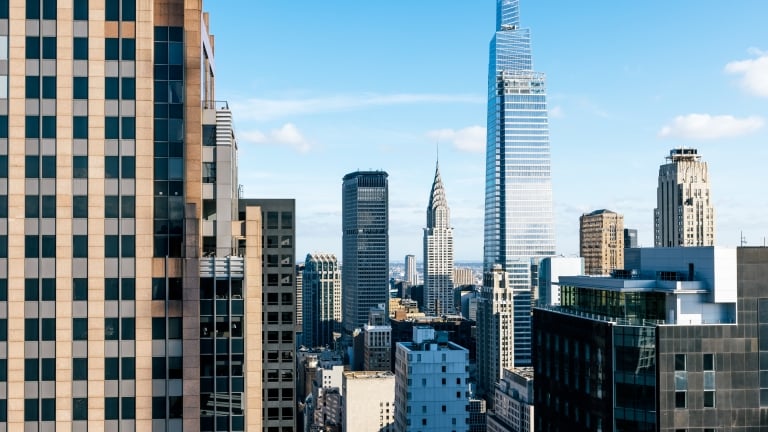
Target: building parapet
231	267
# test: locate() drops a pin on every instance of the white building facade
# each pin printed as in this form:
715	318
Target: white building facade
550	271
431	383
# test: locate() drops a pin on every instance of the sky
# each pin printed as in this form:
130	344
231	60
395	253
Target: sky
322	89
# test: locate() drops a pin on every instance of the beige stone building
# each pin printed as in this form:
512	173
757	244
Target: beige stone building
684	215
130	279
601	241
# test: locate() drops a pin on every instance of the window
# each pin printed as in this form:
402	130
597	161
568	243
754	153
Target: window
80	288
80	328
80	46
129	49
111	327
80	247
111	206
129	368
174	328
49	87
32	47
31	409
128	289
48	370
111	246
111	408
111	289
48	249
80	369
80	409
48	329
111	127
32	87
49	162
80	210
32	130
128	207
31	370
128	329
33	9
79	87
49	206
49	47
49	289
31	206
31	246
128	243
158	328
128	164
80	164
49	9
158	367
111	167
80	10
112	10
709	380
112	50
129	127
49	129
129	88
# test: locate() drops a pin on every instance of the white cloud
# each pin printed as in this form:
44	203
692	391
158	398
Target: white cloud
754	72
287	135
556	112
469	139
708	127
267	109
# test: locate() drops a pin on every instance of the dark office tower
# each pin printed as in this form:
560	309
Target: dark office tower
678	343
630	238
519	222
365	258
277	318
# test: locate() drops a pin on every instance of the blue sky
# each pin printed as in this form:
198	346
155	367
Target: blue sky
321	89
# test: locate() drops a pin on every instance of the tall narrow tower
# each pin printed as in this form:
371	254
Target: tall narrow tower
365	246
601	241
519	227
438	253
684	215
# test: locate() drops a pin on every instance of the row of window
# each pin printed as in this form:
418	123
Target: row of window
45	127
44	246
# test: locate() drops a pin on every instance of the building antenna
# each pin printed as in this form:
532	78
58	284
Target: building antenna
743	239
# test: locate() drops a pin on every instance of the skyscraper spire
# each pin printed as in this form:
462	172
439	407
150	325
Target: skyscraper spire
438	252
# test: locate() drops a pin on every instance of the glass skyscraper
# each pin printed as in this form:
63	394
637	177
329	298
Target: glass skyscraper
365	244
519	226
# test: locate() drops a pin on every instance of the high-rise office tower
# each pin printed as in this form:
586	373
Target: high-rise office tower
519	223
495	333
684	215
127	302
438	253
299	275
630	238
322	299
275	316
411	275
601	241
365	243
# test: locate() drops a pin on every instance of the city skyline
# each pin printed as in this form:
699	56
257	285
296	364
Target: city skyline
620	97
